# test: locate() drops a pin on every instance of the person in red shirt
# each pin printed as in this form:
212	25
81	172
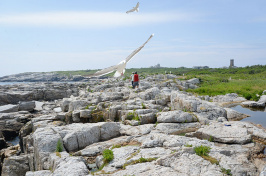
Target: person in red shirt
136	80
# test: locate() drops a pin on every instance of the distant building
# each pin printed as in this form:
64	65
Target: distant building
232	64
156	66
200	67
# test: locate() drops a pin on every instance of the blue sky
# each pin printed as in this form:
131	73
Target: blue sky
54	35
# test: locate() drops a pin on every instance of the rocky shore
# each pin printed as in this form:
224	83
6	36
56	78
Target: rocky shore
157	129
41	77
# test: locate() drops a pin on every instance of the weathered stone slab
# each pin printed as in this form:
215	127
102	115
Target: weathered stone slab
175	117
177	128
227	132
9	108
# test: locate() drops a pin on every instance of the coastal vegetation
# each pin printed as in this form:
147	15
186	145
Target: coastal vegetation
248	82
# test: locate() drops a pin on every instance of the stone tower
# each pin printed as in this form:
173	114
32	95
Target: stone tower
231	62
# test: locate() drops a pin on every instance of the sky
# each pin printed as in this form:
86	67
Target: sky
60	35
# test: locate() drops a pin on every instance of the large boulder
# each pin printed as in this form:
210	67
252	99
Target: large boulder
189	103
44	142
233	115
26	106
77	105
149	93
15	165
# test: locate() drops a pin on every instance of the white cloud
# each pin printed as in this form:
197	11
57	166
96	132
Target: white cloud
92	19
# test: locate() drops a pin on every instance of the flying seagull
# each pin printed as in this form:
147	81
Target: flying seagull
119	68
134	8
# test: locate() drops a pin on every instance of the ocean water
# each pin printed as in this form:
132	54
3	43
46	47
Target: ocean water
257	116
14	141
11	83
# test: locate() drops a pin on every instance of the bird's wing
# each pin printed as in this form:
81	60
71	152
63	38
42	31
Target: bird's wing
138	49
132	10
104	71
137	6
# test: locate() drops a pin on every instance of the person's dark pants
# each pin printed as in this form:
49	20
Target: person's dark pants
132	83
135	84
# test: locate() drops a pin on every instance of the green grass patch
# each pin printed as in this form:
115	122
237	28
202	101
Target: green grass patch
211	159
59	146
202	150
116	146
108	155
226	171
188	145
250	89
132	116
140	160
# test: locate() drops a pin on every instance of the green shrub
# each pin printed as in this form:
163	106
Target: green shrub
226	171
202	150
59	146
132	116
108	155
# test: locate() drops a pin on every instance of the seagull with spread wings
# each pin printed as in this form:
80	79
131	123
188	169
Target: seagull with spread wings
120	68
134	9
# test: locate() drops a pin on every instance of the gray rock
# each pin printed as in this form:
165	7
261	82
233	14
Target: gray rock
85	113
193	81
39	173
97	148
144	169
149	93
182	164
109	130
26	106
15	165
228	98
227	132
207	110
76	116
99	161
78	105
44	142
177	128
175	117
65	104
233	115
80	136
262	99
253	104
9	108
136	130
70	166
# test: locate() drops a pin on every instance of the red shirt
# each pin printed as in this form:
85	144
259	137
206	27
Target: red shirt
136	78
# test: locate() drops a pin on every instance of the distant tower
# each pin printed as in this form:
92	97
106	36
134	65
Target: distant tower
231	62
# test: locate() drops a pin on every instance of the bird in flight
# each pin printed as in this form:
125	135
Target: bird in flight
134	9
120	68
